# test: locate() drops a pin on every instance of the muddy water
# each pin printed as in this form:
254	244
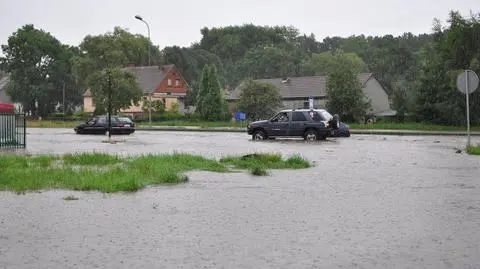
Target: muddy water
369	202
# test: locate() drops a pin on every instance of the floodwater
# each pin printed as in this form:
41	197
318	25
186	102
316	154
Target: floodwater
369	202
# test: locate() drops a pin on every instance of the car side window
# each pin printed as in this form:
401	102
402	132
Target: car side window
298	116
315	116
281	117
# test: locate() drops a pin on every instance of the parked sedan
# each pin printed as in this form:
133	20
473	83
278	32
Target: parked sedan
342	131
99	125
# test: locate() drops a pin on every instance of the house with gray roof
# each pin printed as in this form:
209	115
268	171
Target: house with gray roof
296	92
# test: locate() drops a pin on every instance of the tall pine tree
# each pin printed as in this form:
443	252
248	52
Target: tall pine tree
210	103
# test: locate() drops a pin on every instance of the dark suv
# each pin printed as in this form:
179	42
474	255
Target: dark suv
311	124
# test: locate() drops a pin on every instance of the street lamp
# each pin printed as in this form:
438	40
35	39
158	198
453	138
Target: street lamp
138	17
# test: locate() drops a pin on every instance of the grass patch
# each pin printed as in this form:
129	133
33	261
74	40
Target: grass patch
52	124
111	173
473	150
91	159
202	124
70	198
208	124
259	171
267	161
411	126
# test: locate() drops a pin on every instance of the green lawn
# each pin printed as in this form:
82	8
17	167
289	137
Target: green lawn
411	126
72	124
474	150
111	173
205	124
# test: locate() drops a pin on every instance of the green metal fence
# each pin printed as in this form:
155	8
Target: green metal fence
13	130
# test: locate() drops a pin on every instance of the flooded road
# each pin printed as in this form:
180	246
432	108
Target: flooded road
369	202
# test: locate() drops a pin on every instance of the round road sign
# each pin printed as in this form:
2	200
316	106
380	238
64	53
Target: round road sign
470	77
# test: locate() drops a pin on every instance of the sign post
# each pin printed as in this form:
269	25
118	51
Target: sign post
467	83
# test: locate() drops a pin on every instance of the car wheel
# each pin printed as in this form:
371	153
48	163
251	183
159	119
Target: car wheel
310	135
78	131
259	135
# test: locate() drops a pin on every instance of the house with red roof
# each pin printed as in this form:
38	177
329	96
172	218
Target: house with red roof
164	83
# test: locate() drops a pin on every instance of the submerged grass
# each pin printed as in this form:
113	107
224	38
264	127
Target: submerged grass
411	126
70	198
206	124
111	173
267	161
91	159
259	171
474	150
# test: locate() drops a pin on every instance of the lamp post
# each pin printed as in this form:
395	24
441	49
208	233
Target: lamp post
138	17
109	81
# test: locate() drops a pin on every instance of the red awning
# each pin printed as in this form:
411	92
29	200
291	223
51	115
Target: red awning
7	108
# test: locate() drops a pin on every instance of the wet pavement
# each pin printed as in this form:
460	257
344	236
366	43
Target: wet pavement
369	202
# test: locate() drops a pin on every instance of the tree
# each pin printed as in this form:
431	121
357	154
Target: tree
325	63
454	48
344	91
113	49
269	62
116	87
190	62
258	100
210	104
39	66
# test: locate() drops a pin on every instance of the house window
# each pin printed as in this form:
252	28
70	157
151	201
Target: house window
177	82
169	82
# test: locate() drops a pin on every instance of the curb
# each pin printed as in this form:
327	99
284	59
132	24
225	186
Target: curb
352	131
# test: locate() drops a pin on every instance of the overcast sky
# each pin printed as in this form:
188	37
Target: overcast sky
178	22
